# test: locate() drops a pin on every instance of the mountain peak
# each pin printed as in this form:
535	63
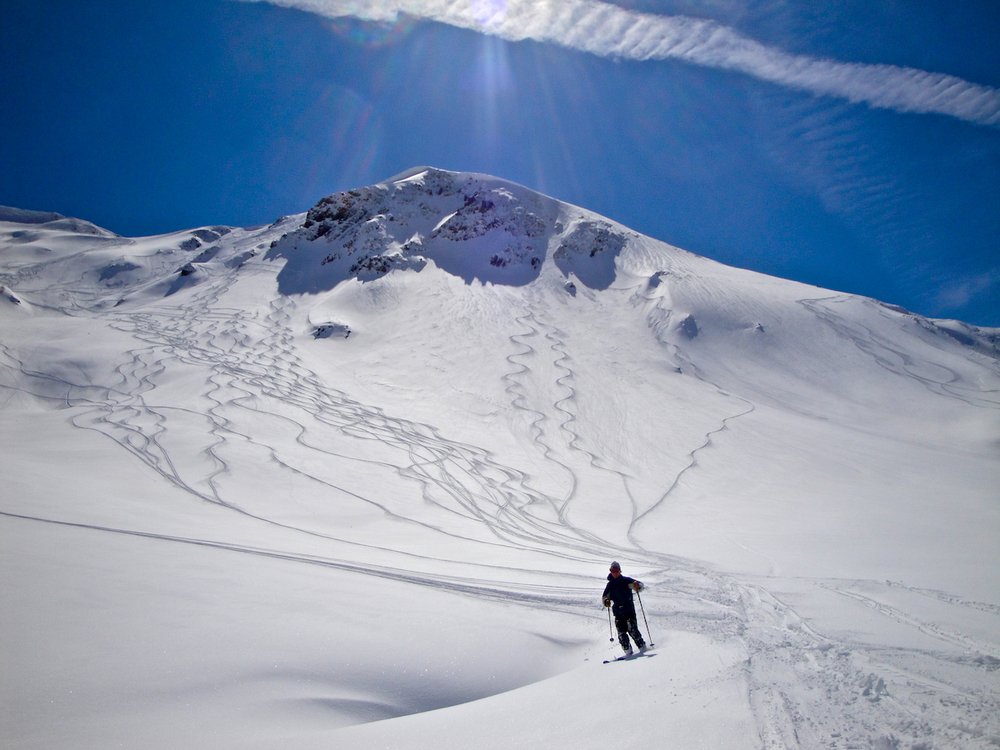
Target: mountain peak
474	226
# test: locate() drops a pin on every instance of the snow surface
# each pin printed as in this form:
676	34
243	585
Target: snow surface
354	480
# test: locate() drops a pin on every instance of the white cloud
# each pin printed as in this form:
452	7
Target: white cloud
609	31
960	292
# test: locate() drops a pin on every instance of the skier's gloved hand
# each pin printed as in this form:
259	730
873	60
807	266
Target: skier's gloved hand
607	602
637	586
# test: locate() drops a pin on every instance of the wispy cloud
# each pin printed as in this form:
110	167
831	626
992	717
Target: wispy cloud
960	292
609	31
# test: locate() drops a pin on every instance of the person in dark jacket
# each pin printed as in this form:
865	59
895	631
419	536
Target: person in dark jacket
618	595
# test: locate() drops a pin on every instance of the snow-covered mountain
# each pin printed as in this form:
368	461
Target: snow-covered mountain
354	480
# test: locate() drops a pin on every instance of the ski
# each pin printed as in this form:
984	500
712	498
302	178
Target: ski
634	655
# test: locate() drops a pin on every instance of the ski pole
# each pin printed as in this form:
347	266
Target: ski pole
610	632
644	619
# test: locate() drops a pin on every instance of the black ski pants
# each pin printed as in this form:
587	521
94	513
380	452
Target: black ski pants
627	626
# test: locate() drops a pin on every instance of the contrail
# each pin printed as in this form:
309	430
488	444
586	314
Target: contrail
609	31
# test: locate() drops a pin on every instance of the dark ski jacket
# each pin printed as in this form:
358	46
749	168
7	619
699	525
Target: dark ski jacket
619	590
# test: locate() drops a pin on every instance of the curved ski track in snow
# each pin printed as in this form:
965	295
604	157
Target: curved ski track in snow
460	480
936	378
558	456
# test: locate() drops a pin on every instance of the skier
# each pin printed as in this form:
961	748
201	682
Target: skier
619	592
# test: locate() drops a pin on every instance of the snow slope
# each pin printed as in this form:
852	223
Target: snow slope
354	480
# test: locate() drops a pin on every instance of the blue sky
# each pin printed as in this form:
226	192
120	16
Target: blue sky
852	145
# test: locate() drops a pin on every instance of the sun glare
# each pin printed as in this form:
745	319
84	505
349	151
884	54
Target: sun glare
489	14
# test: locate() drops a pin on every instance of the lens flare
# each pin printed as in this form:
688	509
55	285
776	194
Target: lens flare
372	34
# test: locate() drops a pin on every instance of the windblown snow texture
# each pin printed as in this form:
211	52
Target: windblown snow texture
301	485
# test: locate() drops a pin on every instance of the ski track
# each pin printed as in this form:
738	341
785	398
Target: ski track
642	296
692	464
558	457
518	394
806	689
451	475
870	343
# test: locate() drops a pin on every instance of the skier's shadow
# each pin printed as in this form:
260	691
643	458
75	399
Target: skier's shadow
632	657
